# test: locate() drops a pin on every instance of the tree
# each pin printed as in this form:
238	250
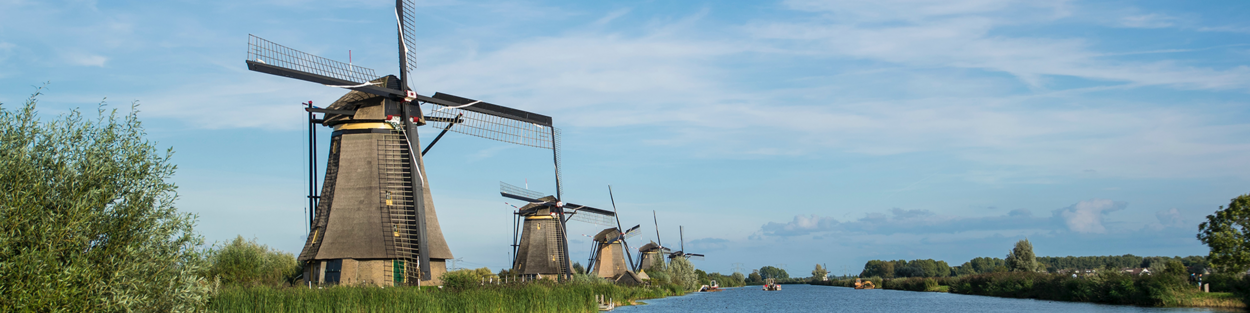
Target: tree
819	272
754	277
773	272
683	273
87	218
578	269
1021	259
703	277
1227	233
738	278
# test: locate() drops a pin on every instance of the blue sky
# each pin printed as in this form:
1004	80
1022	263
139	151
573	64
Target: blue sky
784	132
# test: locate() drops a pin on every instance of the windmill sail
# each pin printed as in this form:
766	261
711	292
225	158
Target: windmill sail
268	57
506	188
409	32
492	121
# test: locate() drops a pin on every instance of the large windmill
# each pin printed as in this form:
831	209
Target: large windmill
374	221
541	244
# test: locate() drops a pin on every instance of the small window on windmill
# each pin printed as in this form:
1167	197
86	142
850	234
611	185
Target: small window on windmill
388	197
315	233
395	229
334	148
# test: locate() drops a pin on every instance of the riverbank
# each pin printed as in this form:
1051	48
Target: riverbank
529	297
1109	288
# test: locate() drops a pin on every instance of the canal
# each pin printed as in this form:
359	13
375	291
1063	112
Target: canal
807	298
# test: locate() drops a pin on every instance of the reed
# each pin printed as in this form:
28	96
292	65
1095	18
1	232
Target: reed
529	297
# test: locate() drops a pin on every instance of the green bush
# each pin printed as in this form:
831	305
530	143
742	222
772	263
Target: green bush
87	217
246	262
683	273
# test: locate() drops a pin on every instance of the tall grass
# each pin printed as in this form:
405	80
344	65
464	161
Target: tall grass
528	297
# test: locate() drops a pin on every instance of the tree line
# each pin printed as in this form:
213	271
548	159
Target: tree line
1051	264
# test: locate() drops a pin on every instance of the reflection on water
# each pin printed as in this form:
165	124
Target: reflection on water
807	298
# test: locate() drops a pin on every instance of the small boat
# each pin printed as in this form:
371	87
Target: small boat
713	288
771	285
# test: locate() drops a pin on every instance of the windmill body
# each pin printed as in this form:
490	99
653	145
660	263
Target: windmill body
609	260
651	255
540	252
542	247
365	229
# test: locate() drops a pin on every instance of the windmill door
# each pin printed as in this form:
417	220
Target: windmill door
334	269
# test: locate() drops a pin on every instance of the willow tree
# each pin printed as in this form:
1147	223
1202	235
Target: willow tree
1021	258
1227	233
87	221
683	273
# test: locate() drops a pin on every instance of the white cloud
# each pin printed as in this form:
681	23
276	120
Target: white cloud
1171	218
1086	216
1147	21
86	59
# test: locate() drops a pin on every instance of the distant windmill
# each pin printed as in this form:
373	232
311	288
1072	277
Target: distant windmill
542	242
374	221
681	231
652	254
608	256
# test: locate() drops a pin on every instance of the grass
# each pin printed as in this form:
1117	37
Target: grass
1211	300
534	297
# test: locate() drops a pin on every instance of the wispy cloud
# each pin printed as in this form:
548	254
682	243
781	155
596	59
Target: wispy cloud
1086	216
1153	20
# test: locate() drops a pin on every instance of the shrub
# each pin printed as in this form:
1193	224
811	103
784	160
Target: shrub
248	263
87	217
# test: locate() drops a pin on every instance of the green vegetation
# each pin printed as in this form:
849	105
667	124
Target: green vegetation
819	272
1227	233
541	296
984	265
682	273
88	218
1021	258
901	268
1164	289
248	263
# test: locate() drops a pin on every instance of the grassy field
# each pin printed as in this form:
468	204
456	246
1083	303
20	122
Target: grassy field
536	297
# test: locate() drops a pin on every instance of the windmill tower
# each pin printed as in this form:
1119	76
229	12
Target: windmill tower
608	256
651	255
610	250
541	244
374	221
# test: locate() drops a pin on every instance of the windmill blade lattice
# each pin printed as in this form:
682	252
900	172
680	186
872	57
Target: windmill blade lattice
511	189
493	125
268	52
590	217
410	36
633	232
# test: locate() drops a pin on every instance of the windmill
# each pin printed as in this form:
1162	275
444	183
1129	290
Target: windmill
608	256
681	230
652	254
374	220
541	244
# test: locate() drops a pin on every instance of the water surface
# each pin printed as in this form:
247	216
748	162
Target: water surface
808	298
